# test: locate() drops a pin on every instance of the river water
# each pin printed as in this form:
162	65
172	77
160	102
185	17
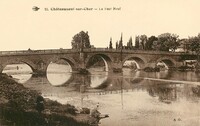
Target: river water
166	98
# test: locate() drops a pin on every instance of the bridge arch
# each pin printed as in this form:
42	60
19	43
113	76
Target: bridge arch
170	62
106	58
18	60
69	60
140	60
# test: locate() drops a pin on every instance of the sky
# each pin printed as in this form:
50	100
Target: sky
22	28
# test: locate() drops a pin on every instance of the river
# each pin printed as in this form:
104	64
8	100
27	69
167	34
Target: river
166	98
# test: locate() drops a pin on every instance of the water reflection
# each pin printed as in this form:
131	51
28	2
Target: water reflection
58	74
196	90
165	93
129	97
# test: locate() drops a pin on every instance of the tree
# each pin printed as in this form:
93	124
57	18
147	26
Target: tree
110	45
120	46
173	42
143	40
195	45
168	42
130	43
187	46
117	45
81	40
137	42
150	41
156	46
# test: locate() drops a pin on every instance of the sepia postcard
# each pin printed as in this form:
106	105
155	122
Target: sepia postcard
100	63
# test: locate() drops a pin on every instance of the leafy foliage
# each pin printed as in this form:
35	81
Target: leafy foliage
150	41
195	45
167	41
130	44
81	40
137	42
143	40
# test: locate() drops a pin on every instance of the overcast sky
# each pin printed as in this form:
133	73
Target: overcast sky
23	28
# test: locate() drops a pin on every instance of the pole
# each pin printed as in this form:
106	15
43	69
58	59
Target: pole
122	93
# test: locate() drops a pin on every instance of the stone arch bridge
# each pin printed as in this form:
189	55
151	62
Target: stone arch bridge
39	60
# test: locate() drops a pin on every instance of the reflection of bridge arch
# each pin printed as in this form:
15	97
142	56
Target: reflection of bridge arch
170	62
45	80
138	59
18	60
107	60
68	81
104	84
136	79
39	79
69	60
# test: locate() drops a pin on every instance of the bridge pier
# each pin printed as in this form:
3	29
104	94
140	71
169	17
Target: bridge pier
40	69
39	72
82	66
117	70
151	65
117	67
82	71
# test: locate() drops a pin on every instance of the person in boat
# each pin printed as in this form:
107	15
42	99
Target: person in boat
40	103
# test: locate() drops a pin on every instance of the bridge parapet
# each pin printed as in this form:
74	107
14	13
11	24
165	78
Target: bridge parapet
50	51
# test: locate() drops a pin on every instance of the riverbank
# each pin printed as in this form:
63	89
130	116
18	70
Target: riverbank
17	107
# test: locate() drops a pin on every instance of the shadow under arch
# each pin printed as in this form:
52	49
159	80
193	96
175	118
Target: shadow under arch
106	59
140	61
169	62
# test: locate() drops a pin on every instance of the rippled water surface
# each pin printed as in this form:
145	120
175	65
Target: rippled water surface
166	98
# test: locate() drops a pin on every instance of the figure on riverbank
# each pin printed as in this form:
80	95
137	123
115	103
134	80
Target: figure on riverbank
40	104
96	116
95	113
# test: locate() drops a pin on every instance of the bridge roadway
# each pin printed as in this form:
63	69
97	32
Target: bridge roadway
39	60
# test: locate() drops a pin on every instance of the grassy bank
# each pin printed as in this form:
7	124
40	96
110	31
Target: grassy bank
17	108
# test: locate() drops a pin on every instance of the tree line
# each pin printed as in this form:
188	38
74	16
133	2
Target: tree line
162	42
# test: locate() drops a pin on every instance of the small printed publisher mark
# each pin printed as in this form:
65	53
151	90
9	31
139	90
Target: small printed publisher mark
35	8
